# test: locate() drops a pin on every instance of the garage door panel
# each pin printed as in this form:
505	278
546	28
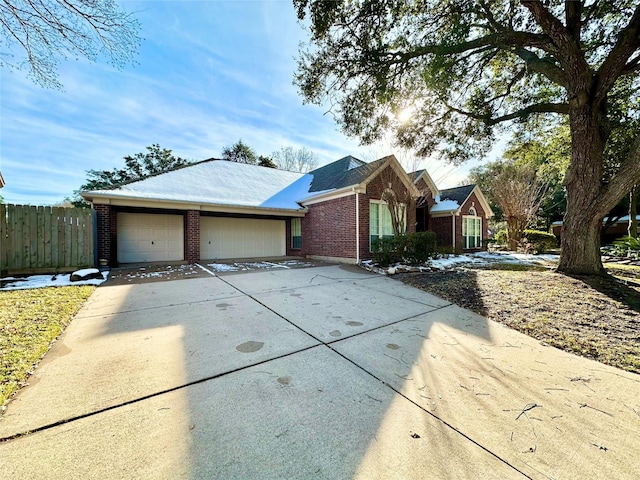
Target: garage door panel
223	237
146	237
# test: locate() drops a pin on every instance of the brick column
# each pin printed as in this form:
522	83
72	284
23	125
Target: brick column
192	236
105	223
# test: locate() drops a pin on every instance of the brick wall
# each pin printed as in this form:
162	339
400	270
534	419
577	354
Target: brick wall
106	219
441	226
328	229
192	236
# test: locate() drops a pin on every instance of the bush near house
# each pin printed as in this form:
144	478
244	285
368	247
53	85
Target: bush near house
627	247
500	237
533	240
385	251
414	248
540	241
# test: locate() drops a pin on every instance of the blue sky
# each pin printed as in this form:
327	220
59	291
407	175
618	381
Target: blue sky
208	73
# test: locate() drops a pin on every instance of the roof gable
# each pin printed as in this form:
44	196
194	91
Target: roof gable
424	175
451	200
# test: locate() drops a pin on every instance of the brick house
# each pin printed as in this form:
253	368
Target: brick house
458	216
216	209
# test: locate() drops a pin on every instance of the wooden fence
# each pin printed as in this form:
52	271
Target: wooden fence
45	239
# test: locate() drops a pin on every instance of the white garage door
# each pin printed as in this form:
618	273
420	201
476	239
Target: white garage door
144	237
222	237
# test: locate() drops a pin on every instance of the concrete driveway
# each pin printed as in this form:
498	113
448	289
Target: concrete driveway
327	372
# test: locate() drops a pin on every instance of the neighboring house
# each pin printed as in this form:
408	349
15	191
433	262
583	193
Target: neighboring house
614	232
216	209
1	180
458	216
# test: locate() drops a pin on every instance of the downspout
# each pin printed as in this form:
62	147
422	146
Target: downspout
453	231
357	228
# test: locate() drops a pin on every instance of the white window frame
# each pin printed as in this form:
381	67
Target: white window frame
475	240
388	233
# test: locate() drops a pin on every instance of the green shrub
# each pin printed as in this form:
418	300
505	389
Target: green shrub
414	248
627	246
540	241
419	247
385	251
500	237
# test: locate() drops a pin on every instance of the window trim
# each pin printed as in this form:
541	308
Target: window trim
380	225
294	237
466	237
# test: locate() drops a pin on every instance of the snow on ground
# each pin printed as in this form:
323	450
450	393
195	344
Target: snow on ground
444	263
247	266
483	258
451	262
42	281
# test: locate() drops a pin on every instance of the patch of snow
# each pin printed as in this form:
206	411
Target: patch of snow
453	262
247	266
445	206
222	267
296	263
250	265
86	271
290	195
512	257
43	281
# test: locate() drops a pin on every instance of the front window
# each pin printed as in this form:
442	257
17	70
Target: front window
380	225
296	233
472	230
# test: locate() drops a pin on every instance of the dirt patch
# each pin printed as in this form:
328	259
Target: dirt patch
598	318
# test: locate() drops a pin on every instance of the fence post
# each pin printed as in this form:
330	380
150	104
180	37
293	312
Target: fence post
4	242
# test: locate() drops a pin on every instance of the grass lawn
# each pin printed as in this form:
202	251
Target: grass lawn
597	318
30	320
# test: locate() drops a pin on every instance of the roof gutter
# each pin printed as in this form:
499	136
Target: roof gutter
130	200
330	195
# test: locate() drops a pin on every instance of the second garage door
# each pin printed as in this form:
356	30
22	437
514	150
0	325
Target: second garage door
222	237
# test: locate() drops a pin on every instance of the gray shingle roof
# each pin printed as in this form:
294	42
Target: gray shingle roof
457	194
342	173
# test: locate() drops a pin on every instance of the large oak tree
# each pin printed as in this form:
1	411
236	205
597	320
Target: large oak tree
468	69
37	34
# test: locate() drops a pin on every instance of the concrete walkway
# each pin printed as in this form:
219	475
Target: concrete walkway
327	372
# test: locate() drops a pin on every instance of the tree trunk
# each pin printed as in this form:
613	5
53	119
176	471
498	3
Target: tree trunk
633	211
580	252
582	226
515	232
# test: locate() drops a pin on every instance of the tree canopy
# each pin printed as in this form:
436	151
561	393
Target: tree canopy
38	33
240	152
446	76
156	160
264	161
300	160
